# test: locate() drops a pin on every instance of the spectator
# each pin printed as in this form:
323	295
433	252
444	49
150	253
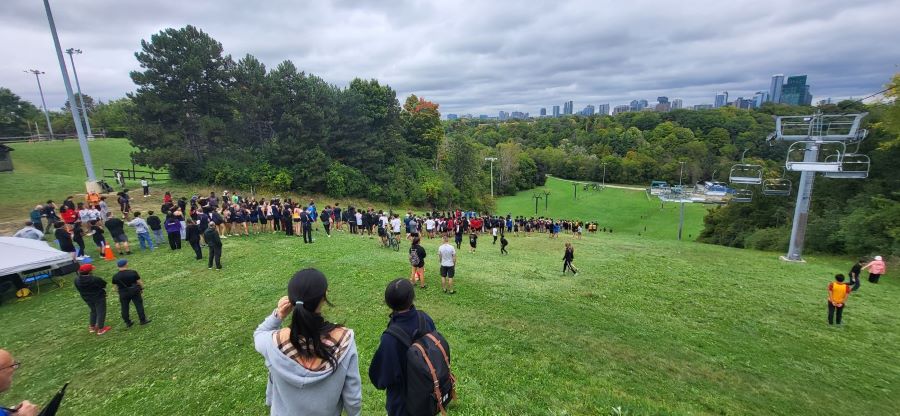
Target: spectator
417	256
143	231
93	292
211	236
838	291
35	216
387	371
313	364
8	367
173	230
146	186
156	227
568	257
64	239
116	229
855	273
193	238
131	289
876	269
447	255
29	231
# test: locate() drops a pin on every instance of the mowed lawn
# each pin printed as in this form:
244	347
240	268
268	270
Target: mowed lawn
649	326
626	211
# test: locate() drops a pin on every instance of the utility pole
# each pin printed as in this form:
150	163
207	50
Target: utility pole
575	184
537	198
546	199
37	76
604	176
681	174
492	159
87	122
82	140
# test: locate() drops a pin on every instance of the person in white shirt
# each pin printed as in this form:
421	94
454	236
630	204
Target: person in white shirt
429	226
382	227
146	186
359	222
395	225
447	256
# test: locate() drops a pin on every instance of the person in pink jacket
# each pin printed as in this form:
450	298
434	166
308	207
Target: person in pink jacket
876	269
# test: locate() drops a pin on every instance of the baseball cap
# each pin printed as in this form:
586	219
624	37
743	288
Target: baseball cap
877	257
122	262
86	268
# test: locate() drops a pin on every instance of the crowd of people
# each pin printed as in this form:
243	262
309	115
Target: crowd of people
313	363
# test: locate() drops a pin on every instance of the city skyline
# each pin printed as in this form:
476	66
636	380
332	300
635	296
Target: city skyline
515	60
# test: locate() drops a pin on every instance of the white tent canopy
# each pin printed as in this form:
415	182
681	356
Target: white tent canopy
21	254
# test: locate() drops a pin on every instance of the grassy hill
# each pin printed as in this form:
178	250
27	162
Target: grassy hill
649	326
626	211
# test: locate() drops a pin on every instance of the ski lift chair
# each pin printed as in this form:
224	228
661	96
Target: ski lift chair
742	195
747	174
853	166
777	187
796	157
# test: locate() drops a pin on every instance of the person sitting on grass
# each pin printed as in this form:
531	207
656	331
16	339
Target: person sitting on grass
93	291
838	291
313	364
29	231
387	370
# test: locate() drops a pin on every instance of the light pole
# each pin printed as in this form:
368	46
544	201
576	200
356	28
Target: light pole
82	140
576	190
87	122
492	159
546	199
37	76
537	197
681	216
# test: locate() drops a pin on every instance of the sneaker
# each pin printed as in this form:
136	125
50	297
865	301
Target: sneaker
103	330
146	322
92	329
210	268
79	258
128	253
129	324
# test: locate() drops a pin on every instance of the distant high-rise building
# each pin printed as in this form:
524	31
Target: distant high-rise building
677	104
603	109
467	115
721	100
588	110
518	115
662	100
483	116
663	107
621	109
743	103
796	92
703	107
555	111
825	101
543	111
759	98
638	105
775	88
452	116
568	107
503	116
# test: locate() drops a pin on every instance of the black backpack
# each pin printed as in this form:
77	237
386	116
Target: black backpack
430	385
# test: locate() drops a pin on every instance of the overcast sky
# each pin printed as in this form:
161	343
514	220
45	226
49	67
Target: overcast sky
484	56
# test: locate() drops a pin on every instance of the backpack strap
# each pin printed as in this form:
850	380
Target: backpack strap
400	334
434	378
446	360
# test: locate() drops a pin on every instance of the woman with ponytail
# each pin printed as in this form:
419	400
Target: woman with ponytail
313	364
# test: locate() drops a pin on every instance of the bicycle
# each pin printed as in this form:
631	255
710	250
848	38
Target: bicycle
392	242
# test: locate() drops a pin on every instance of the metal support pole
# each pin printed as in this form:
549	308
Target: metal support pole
604	175
546	199
87	122
801	211
681	221
37	76
576	191
491	159
82	140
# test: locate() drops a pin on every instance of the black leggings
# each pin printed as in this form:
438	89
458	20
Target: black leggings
215	255
567	265
503	249
98	310
175	240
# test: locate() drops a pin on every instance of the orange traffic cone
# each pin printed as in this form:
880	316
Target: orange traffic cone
107	254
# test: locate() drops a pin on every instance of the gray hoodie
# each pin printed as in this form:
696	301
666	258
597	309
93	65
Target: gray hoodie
294	390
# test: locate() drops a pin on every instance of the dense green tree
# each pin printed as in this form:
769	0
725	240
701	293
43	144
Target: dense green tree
182	105
15	114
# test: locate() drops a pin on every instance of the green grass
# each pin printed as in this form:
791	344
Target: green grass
649	325
626	211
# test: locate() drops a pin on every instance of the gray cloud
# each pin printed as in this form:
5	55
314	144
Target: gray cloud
481	57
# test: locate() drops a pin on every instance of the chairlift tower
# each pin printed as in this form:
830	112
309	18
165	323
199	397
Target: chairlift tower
818	144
